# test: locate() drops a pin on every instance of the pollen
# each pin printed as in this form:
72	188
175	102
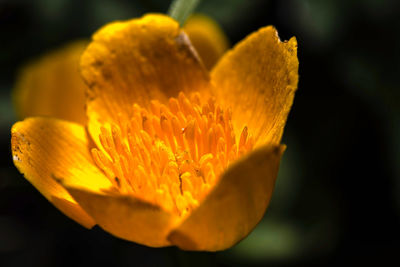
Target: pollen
171	154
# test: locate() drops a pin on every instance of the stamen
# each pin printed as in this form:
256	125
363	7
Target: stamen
170	155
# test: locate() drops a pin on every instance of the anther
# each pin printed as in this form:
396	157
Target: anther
170	155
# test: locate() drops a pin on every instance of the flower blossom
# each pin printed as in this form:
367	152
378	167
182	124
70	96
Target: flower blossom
170	154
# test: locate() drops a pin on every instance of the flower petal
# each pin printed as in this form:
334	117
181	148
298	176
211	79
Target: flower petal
136	61
46	149
234	206
52	86
207	37
258	79
127	217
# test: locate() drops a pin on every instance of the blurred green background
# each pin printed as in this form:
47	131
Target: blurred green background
337	196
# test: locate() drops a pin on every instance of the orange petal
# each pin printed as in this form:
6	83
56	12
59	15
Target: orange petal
127	217
234	206
52	86
136	61
207	37
46	149
258	79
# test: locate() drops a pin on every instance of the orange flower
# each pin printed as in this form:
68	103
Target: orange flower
169	154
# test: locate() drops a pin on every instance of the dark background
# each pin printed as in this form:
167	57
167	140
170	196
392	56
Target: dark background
337	197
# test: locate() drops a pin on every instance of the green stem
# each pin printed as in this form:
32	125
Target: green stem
181	9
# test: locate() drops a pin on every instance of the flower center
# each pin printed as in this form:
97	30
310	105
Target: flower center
171	155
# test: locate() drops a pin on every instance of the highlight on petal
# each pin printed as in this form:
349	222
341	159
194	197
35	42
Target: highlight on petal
127	217
207	37
45	150
235	206
136	61
258	79
52	86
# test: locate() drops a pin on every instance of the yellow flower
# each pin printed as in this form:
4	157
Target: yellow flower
170	155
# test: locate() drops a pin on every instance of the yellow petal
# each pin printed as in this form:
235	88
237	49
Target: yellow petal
258	79
46	149
136	61
234	206
52	86
207	37
127	217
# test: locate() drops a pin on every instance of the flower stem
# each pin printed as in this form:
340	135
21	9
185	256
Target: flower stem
181	9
